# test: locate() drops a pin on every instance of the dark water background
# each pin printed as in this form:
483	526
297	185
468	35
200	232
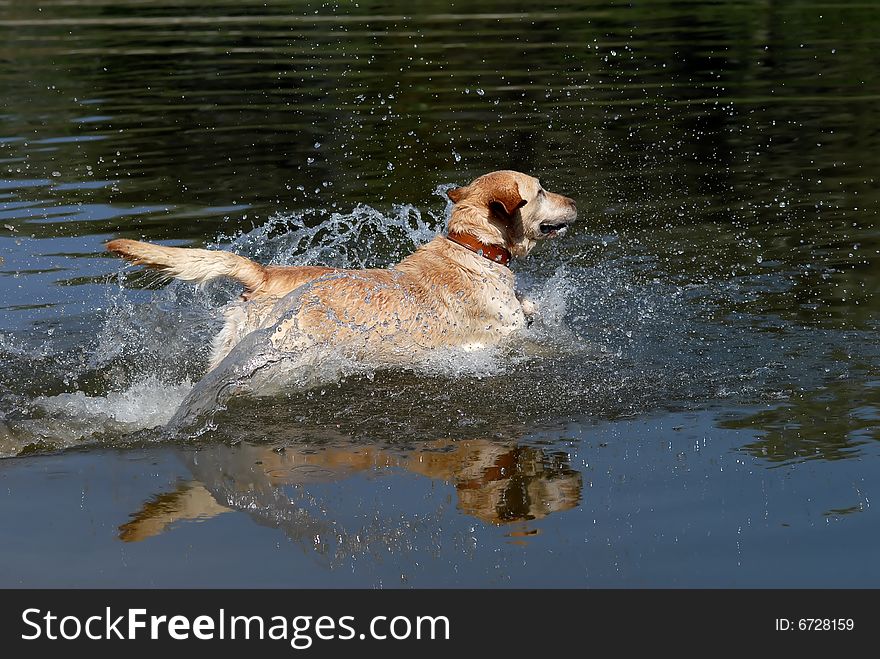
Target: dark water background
698	407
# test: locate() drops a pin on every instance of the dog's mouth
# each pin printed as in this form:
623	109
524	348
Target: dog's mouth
549	229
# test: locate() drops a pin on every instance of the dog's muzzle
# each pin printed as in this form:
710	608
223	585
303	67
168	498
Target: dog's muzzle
553	229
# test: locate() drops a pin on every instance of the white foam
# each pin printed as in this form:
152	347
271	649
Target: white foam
146	404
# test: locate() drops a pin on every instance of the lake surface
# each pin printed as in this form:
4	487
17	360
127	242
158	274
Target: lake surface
698	404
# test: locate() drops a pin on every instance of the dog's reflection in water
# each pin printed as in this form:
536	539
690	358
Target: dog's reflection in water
497	482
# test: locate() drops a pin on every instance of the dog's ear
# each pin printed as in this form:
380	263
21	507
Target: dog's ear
498	191
503	195
456	194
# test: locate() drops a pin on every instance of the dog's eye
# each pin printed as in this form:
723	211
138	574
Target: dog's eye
541	192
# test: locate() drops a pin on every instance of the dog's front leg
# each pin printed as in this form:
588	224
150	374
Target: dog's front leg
529	308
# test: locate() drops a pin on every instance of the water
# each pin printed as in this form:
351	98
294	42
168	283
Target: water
696	405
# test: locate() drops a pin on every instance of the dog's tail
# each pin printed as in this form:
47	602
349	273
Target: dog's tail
189	264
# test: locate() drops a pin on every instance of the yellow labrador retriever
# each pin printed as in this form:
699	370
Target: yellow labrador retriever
455	291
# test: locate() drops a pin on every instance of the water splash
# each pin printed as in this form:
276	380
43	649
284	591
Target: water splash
363	238
71	419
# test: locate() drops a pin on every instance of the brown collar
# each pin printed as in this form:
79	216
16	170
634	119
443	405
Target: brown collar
494	253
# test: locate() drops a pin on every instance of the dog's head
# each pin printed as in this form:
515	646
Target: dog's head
510	209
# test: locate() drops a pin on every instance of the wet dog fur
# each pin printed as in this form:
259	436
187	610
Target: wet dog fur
444	294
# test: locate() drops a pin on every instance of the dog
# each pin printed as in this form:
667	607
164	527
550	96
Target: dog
455	291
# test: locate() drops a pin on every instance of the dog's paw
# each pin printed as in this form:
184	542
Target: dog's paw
530	309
